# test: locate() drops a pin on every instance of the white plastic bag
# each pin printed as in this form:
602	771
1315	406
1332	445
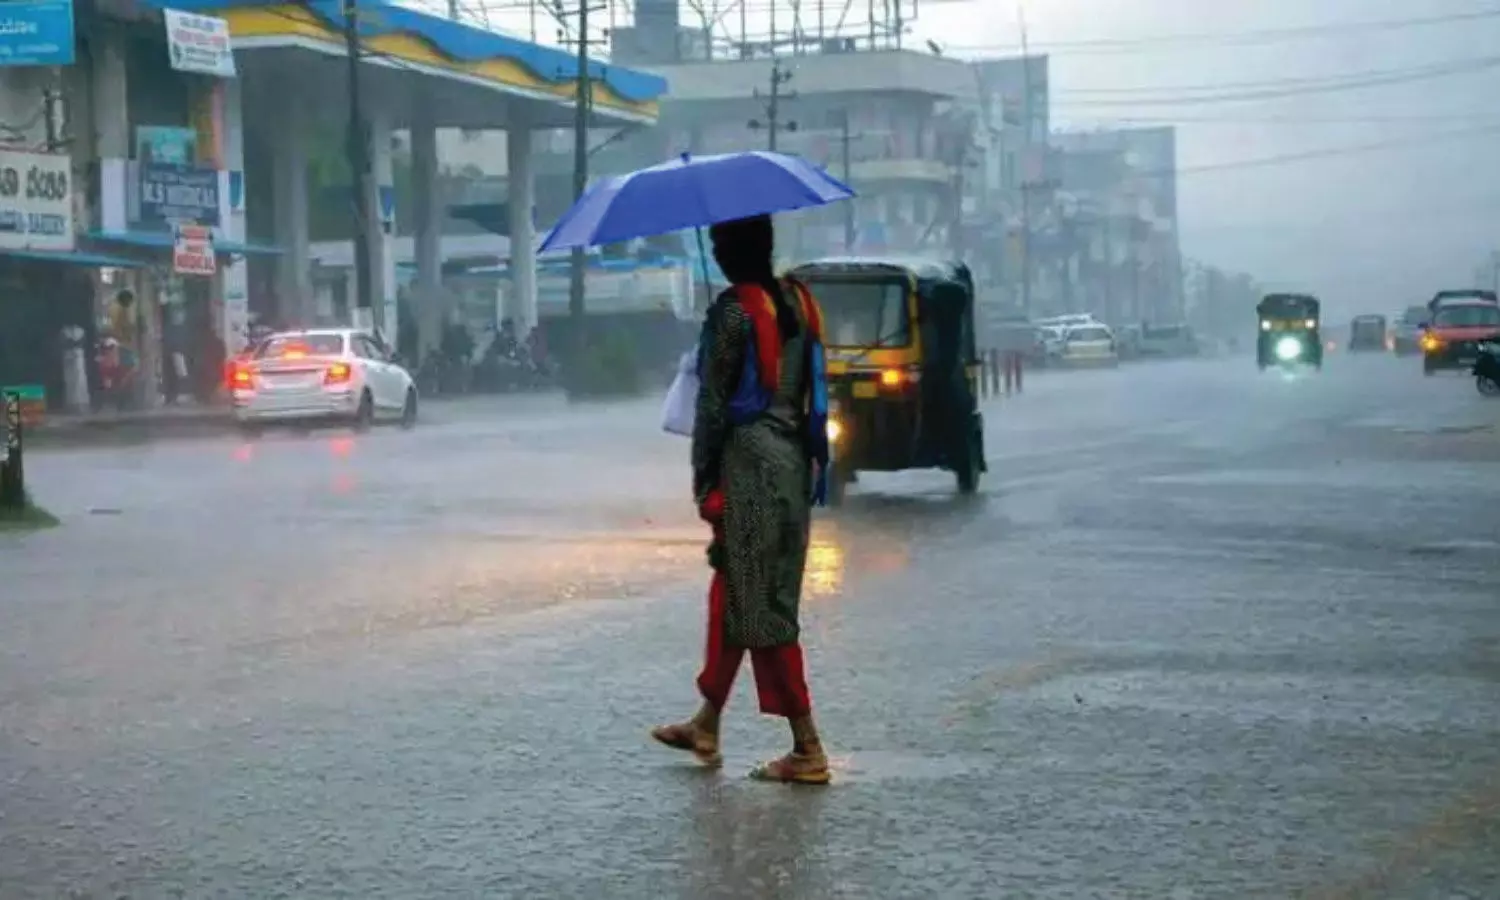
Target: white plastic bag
677	412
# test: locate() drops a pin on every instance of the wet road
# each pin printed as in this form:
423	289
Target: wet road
1204	634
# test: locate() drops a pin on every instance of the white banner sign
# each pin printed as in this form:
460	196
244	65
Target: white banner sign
199	44
193	250
36	201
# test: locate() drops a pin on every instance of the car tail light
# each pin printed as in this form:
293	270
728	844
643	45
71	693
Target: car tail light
240	378
338	373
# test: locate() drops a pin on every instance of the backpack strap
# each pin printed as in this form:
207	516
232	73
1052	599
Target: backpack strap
765	335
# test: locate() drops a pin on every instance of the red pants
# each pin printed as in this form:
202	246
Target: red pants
780	679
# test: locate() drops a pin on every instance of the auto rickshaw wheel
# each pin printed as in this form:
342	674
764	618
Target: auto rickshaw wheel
970	469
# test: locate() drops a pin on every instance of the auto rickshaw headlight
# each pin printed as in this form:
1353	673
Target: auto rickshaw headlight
1265	324
1288	349
1310	323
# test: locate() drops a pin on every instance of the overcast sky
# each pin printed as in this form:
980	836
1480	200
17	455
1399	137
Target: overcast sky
1367	231
1371	230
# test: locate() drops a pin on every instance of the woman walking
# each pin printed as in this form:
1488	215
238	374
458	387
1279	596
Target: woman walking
760	451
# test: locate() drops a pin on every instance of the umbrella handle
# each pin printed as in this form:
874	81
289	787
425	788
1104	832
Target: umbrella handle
708	290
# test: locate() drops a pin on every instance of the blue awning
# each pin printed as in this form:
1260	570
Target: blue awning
161	240
75	258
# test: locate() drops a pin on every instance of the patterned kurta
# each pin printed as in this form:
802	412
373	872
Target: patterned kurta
766	475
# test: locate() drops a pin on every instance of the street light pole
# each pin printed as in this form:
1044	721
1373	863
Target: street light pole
358	149
844	140
582	100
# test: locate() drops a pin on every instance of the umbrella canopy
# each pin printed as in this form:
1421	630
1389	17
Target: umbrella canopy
692	192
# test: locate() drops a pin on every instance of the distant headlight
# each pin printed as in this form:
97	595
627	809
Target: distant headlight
1288	349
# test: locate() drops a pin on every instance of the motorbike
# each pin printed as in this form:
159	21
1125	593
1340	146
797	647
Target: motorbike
1487	369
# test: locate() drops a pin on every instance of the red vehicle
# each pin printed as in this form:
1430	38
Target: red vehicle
1451	339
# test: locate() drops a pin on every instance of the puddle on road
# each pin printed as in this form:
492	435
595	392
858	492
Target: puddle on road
892	765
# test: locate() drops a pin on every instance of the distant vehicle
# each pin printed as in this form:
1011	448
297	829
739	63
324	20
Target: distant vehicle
1451	340
1290	331
1069	320
1367	334
1174	340
1406	331
1089	345
1462	296
1052	343
325	374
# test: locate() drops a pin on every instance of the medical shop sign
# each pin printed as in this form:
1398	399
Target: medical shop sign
36	201
193	250
172	194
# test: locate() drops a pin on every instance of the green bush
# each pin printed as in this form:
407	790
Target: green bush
609	366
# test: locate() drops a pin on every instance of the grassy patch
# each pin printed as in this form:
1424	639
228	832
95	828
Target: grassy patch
25	518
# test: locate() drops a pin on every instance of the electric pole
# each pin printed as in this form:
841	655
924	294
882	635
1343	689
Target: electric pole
358	148
583	101
773	123
1025	185
845	139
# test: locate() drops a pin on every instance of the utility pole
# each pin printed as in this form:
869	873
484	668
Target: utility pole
773	123
358	147
1025	185
583	101
453	10
845	139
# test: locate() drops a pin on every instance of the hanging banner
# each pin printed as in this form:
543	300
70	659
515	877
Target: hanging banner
193	250
36	33
36	201
199	44
171	194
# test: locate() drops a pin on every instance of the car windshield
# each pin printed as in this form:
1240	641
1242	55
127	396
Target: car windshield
1414	315
292	346
1472	316
863	313
1094	333
1289	308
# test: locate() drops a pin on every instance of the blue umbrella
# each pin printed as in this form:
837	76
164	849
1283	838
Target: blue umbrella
692	192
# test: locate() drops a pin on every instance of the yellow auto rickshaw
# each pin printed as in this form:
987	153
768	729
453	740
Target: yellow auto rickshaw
903	369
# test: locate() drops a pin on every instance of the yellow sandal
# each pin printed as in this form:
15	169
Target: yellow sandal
692	739
795	768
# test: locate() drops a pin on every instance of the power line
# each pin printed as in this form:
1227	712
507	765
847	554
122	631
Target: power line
1312	120
1326	153
1203	40
1427	74
1439	68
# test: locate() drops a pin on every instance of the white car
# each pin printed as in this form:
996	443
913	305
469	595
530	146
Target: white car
1089	345
323	374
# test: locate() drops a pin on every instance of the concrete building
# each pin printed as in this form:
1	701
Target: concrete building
186	185
1118	212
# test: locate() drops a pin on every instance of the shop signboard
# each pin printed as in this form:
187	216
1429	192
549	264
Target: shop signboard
36	201
171	194
36	33
199	44
193	250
